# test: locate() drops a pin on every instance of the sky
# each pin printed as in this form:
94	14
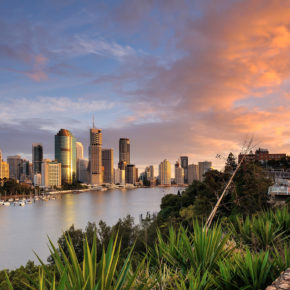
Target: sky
194	78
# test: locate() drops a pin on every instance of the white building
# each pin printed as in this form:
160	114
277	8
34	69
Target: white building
51	174
193	173
165	172
37	179
119	176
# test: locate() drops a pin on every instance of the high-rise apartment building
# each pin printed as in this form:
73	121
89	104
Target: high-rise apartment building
131	174
193	173
203	167
184	165
83	171
14	166
95	156
119	176
165	172
65	153
37	157
51	174
108	164
25	171
124	152
179	174
149	172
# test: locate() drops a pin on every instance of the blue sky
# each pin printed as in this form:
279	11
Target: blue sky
176	77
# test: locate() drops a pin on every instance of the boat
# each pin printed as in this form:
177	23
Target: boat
29	201
21	203
16	199
36	198
1	202
10	199
7	203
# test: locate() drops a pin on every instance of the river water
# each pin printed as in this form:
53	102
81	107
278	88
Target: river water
25	229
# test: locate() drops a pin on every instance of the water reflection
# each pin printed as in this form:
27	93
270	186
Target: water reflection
24	229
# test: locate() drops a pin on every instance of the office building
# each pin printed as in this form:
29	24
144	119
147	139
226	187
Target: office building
131	174
193	173
65	153
37	179
25	171
83	171
184	165
165	172
4	170
95	156
203	167
179	173
37	157
51	174
149	173
108	164
124	153
14	166
119	176
80	150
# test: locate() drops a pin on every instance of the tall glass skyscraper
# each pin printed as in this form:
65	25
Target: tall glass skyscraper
37	158
65	153
124	153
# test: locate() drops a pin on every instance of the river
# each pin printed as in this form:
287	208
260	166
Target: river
25	229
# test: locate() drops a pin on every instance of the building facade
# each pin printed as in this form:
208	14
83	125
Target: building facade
83	171
65	153
4	170
124	153
203	167
119	176
108	164
184	165
95	156
51	174
165	172
193	173
80	150
14	166
131	174
179	175
37	158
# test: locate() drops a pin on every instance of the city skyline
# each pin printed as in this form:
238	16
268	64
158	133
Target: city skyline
207	75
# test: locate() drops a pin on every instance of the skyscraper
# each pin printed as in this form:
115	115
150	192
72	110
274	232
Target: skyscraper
108	164
179	173
95	156
203	167
14	166
184	165
124	153
0	163
83	171
193	173
80	150
37	157
131	174
165	172
5	170
65	153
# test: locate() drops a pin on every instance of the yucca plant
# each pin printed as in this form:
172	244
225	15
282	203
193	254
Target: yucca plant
254	271
108	273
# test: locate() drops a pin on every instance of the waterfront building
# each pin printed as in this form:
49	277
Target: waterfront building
95	156
203	167
119	176
65	153
131	174
108	164
37	158
261	155
25	171
51	174
83	171
165	172
184	165
14	166
179	173
4	170
193	173
124	153
37	179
